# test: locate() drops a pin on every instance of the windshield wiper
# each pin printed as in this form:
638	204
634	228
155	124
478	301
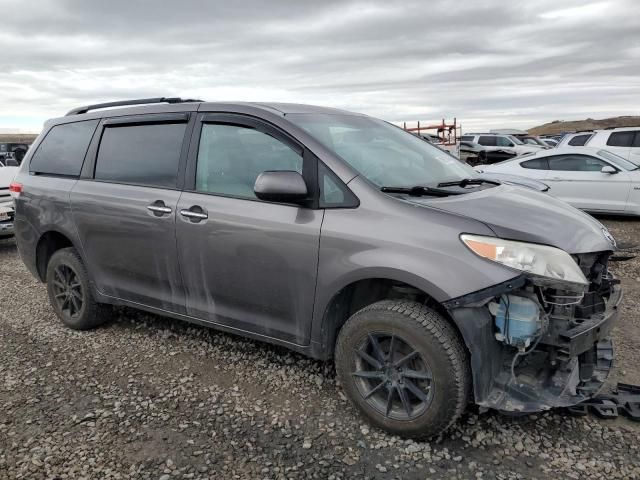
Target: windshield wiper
420	191
468	181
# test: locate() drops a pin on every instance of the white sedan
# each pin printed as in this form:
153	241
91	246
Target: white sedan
588	178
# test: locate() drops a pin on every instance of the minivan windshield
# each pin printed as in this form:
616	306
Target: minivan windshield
384	154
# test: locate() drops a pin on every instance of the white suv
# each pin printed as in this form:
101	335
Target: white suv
492	141
625	141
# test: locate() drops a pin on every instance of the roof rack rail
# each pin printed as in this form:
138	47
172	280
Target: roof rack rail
622	126
124	103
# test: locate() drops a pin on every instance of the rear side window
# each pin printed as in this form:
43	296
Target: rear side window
146	154
579	140
636	140
621	139
487	141
536	164
467	138
63	149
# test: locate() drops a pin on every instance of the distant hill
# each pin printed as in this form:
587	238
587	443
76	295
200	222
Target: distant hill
17	137
559	126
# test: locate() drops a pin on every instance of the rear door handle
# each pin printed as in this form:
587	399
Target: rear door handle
159	208
195	214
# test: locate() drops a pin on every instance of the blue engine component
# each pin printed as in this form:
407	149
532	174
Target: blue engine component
517	320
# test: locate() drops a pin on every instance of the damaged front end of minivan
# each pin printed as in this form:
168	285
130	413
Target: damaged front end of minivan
540	340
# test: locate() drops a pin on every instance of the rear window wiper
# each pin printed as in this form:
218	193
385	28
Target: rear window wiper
420	191
468	181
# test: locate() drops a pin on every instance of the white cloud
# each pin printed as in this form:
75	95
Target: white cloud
489	63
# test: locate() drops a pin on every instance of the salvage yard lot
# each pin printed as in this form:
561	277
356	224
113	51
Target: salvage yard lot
147	397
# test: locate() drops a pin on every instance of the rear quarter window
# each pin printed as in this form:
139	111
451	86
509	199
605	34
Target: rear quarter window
536	164
63	150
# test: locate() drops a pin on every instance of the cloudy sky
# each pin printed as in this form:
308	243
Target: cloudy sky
488	63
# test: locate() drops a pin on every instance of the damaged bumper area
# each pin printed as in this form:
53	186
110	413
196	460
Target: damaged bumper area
538	344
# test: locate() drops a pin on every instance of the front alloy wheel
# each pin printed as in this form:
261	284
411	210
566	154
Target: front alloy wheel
392	377
404	366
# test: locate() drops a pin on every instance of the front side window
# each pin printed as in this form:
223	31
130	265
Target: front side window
382	153
142	154
503	142
467	138
230	158
63	149
576	163
621	139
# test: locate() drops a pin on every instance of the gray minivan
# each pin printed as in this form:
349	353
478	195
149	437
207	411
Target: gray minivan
331	233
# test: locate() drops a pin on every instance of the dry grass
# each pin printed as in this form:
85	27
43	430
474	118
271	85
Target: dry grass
559	126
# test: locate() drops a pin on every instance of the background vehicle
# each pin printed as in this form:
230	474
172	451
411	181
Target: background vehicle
624	141
331	233
15	151
578	139
550	142
6	202
475	154
494	141
591	179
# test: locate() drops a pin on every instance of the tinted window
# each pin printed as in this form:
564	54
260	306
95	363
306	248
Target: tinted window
576	163
145	154
467	138
620	139
231	157
579	140
487	141
636	140
536	163
63	149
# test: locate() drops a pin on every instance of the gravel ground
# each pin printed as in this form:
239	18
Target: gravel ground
147	397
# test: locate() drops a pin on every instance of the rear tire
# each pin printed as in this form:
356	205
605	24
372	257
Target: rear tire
404	367
70	292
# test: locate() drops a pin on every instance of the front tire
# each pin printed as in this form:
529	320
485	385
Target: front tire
404	367
70	292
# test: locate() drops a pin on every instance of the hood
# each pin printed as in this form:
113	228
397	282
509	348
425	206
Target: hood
515	180
523	214
7	174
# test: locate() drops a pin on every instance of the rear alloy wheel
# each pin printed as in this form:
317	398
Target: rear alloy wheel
67	290
404	366
70	292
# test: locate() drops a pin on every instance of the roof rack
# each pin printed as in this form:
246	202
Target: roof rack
622	126
124	103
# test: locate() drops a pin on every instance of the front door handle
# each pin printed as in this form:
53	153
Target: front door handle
195	214
159	208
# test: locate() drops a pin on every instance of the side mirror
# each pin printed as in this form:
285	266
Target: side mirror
11	162
281	186
609	169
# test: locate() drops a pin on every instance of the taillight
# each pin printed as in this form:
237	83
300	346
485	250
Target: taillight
15	189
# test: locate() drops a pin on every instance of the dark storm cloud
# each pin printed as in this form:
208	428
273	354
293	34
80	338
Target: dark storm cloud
490	63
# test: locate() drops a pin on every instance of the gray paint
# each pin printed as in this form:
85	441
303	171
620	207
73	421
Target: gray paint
268	270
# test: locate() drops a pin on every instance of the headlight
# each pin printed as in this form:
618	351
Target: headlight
531	258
